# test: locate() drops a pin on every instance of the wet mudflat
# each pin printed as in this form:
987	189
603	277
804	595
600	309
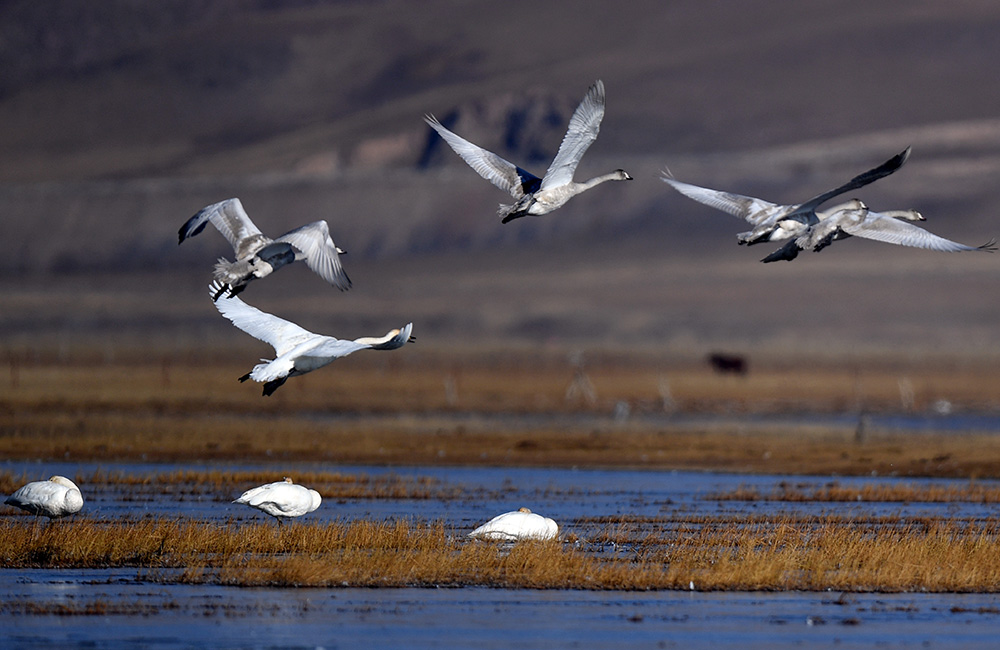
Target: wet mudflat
130	606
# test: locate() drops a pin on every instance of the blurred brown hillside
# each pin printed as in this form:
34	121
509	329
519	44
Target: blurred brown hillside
118	120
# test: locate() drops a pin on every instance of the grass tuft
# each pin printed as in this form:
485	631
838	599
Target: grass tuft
762	553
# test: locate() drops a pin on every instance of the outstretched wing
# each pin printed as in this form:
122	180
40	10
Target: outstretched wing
893	231
745	207
581	133
321	254
227	216
279	333
505	175
870	176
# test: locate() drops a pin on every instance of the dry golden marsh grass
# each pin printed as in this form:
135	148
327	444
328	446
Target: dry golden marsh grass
825	553
502	408
511	409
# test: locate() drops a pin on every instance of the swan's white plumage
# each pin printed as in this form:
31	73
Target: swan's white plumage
582	131
893	230
519	524
538	196
297	350
282	499
771	221
56	497
891	227
311	243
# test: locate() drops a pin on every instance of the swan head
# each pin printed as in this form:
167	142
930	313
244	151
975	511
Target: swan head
623	175
904	215
288	480
63	481
524	510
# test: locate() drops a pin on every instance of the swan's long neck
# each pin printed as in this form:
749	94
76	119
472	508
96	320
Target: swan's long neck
617	175
903	215
375	342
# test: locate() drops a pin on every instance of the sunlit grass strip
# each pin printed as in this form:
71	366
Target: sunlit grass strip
430	441
767	554
147	411
971	492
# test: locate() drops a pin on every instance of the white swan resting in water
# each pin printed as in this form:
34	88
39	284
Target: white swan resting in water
297	350
520	524
891	227
257	255
56	497
773	222
281	500
536	196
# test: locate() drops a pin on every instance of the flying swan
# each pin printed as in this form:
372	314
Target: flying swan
56	497
297	350
281	500
258	256
891	227
520	524
532	195
773	222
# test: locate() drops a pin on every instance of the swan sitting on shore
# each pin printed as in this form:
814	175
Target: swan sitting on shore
258	256
519	524
282	499
534	196
56	497
297	350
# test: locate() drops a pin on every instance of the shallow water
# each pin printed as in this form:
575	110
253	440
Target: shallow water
117	609
177	616
572	497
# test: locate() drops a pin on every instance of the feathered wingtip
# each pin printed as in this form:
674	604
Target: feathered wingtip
194	225
224	271
503	211
229	276
216	288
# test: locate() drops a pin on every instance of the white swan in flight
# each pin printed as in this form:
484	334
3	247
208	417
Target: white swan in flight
281	500
773	222
56	497
257	255
891	227
520	524
536	196
297	350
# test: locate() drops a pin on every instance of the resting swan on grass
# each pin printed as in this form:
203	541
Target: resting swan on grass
891	227
536	196
56	497
773	222
282	499
258	256
297	350
520	524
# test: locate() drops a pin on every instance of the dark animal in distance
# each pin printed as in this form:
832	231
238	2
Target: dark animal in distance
724	363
